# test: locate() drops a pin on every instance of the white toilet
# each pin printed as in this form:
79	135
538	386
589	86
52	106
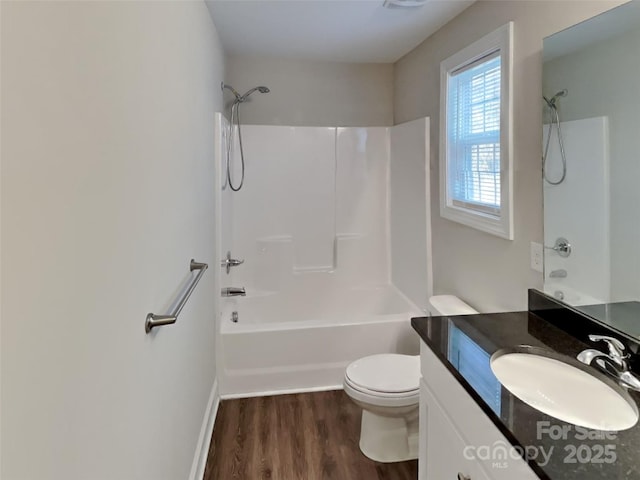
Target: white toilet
387	387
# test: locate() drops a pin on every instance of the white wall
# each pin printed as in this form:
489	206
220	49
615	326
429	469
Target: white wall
107	192
488	272
602	80
305	93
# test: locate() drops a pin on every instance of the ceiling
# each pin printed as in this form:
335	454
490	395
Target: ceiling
328	30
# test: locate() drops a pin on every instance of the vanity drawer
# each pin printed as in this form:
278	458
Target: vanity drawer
471	423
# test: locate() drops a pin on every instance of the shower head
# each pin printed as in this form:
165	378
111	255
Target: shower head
233	90
551	102
260	89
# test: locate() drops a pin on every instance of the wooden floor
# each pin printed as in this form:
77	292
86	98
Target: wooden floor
310	436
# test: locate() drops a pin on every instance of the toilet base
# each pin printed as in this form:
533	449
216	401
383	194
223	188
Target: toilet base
389	439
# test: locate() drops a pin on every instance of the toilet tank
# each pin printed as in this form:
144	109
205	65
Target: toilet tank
449	305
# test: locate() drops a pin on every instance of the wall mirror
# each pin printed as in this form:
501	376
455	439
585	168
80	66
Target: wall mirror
591	166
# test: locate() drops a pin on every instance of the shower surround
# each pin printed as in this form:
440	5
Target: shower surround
312	223
587	279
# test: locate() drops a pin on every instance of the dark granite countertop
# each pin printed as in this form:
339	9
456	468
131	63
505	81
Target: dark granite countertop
478	337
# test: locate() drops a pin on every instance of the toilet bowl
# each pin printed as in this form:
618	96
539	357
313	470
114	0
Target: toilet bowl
387	388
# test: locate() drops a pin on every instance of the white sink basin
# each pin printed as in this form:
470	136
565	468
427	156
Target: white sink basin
564	388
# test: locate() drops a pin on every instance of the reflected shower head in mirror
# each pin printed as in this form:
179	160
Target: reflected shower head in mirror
554	120
551	102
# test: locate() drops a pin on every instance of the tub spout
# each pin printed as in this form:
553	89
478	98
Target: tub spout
233	292
562	273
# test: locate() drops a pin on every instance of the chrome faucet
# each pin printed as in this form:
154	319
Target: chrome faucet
233	292
229	262
615	363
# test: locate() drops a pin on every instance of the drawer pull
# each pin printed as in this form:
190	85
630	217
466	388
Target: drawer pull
462	476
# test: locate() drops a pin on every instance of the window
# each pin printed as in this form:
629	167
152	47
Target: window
475	135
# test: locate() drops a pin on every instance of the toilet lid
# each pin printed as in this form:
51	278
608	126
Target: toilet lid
389	373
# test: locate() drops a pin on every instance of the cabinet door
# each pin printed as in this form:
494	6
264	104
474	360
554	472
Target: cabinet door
472	425
441	448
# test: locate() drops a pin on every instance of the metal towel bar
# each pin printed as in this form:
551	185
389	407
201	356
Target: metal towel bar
154	320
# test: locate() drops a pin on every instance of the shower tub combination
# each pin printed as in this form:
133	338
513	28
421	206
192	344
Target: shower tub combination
583	277
312	224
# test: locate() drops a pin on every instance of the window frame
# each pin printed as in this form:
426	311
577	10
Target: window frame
500	40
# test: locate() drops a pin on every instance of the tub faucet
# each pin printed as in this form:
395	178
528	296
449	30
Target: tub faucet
233	292
229	262
562	273
614	363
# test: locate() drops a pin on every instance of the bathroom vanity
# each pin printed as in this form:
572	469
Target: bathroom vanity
471	427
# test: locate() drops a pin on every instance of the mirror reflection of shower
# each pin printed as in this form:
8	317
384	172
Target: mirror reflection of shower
235	120
554	119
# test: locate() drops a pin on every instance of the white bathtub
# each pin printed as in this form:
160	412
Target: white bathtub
302	340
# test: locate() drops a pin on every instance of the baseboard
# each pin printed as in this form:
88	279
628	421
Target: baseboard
281	392
202	448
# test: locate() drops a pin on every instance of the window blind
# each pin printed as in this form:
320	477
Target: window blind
474	135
